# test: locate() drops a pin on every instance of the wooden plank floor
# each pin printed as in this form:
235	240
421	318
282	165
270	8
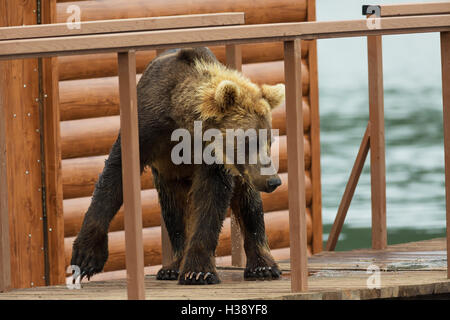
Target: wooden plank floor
406	270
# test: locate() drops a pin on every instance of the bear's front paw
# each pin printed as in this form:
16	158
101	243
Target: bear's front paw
262	273
194	278
167	274
89	253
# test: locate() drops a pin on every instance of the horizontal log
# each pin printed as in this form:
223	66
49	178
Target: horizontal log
81	138
99	97
81	174
105	64
279	117
277	229
273	73
74	209
267	11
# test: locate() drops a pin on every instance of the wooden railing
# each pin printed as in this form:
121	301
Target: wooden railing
24	44
373	139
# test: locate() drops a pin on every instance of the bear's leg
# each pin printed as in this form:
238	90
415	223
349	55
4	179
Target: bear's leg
90	248
247	207
172	198
209	200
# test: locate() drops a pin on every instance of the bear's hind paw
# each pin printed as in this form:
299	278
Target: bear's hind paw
198	278
167	274
262	273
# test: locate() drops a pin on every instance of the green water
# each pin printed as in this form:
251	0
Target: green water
414	135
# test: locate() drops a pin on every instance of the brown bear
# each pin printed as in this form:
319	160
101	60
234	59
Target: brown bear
177	89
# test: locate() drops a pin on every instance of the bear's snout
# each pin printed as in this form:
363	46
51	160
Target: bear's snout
272	184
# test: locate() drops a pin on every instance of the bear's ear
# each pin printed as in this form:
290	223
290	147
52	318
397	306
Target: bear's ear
226	95
273	94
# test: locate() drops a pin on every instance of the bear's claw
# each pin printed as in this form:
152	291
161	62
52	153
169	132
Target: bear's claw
196	278
89	255
167	274
262	273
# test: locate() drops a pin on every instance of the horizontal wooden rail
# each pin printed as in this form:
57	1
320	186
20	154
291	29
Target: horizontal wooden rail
122	25
409	9
124	41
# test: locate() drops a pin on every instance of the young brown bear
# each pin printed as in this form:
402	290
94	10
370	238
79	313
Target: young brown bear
176	89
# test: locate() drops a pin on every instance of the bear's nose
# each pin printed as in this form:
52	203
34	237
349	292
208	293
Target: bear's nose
273	183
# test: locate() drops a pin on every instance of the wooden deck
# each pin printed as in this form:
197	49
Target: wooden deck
406	270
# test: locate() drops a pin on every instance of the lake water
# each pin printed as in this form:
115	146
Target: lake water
413	124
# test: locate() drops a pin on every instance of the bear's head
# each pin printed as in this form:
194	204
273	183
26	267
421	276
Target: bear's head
242	111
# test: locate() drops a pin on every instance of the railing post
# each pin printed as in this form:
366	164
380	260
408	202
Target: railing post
377	147
445	61
131	180
166	246
234	61
296	166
